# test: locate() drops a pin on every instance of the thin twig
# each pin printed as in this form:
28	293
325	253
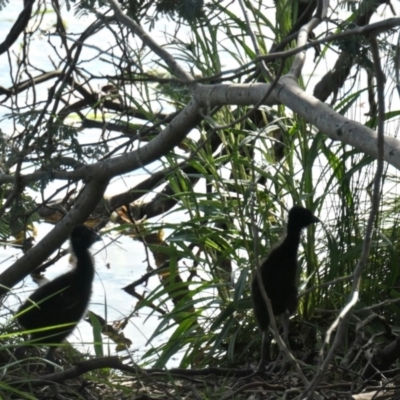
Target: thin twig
169	59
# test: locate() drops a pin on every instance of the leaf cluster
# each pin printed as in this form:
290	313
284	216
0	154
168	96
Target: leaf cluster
225	188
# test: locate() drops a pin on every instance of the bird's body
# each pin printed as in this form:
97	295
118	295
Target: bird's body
279	271
63	300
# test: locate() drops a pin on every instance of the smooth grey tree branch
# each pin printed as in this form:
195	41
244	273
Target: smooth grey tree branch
303	36
287	92
170	137
324	118
93	192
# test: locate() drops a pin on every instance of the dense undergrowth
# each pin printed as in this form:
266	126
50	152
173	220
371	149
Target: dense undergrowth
226	188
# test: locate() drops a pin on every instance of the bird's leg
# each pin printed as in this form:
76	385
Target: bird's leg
285	324
265	351
286	361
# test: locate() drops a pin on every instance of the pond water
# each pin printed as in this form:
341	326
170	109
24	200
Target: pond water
126	257
117	265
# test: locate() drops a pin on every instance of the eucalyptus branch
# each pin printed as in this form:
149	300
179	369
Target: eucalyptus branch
303	36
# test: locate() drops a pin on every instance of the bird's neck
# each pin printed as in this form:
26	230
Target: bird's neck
292	241
84	264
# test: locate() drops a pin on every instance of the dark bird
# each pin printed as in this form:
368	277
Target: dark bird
63	300
279	273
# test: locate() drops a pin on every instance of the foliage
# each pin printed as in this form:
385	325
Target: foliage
189	10
226	189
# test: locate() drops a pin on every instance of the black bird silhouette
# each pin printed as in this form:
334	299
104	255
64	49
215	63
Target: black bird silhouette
279	276
63	300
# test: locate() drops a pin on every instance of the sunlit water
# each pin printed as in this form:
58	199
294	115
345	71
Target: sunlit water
117	265
126	258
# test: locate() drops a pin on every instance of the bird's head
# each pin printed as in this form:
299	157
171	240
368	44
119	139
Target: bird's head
83	236
300	217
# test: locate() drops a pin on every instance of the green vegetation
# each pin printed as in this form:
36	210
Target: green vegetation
228	145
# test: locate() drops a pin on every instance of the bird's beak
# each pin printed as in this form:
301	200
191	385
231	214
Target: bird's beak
315	219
